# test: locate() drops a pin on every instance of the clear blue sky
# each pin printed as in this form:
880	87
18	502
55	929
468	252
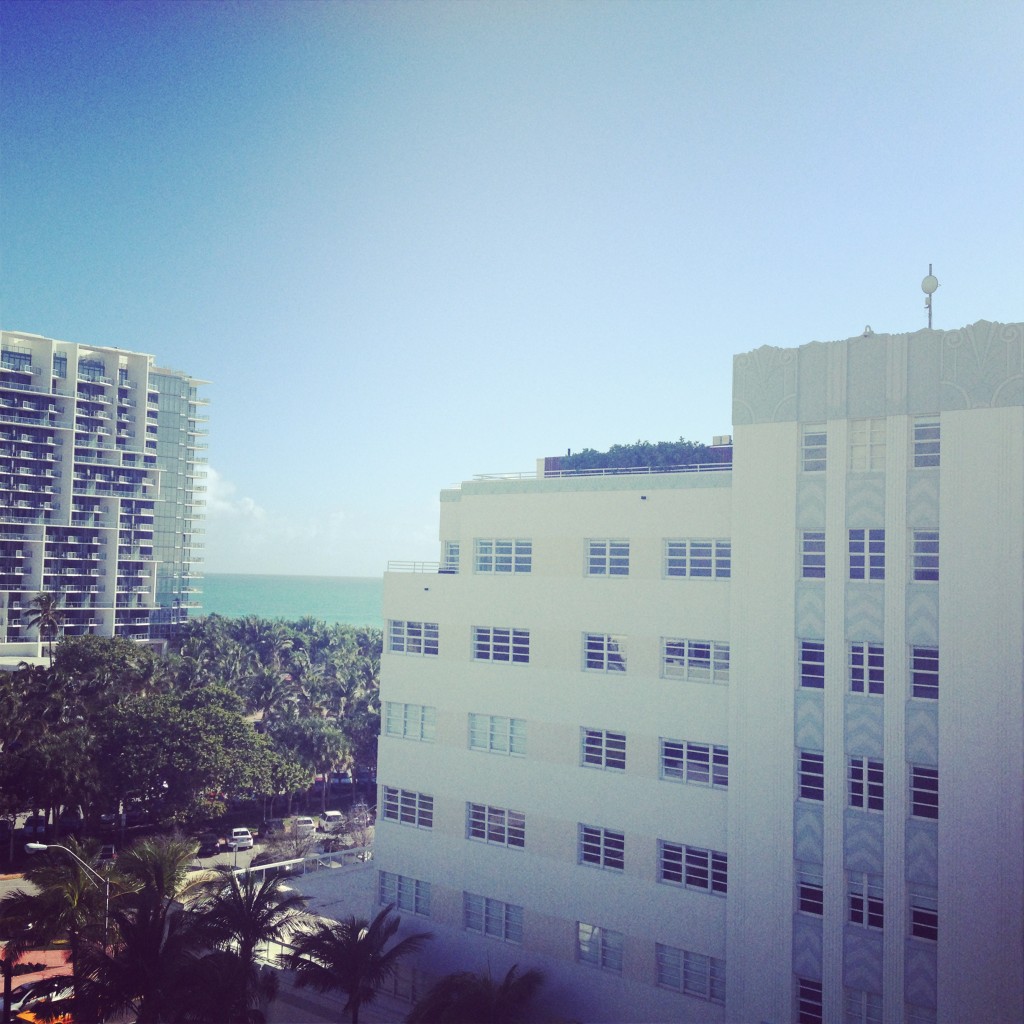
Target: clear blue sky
409	243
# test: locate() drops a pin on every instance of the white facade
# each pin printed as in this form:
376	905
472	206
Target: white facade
99	462
739	745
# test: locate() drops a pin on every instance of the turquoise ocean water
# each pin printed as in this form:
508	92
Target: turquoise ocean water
355	601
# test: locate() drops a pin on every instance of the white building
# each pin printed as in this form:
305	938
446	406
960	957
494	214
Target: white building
743	745
100	490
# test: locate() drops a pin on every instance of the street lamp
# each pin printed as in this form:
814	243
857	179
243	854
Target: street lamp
94	876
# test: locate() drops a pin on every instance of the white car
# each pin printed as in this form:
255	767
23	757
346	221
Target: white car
303	827
240	839
331	821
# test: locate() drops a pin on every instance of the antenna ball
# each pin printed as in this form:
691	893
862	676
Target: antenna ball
929	284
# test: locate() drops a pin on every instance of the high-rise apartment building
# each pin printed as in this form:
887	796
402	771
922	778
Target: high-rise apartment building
100	490
743	744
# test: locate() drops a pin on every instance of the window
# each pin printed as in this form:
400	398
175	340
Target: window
407	894
924	672
861	1007
812	664
811	775
608	558
867	668
924	792
60	365
924	916
492	917
699	559
410	721
603	749
812	554
867	445
503	555
603	653
599	946
495	825
692	973
864	900
926	442
451	557
808	1002
925	556
867	554
810	890
703	661
602	847
814	447
693	867
497	734
408	807
703	764
494	643
412	637
865	779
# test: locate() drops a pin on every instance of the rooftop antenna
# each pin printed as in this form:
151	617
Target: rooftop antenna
928	286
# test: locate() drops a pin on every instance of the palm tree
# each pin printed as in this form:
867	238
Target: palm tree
238	913
466	998
67	902
47	616
351	956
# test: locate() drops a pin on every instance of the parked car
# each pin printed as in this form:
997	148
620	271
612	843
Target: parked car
209	844
70	822
272	827
47	990
34	827
330	821
240	839
303	827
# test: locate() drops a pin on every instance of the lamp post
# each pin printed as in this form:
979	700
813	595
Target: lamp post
93	875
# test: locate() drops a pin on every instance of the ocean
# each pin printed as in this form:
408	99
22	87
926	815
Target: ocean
355	601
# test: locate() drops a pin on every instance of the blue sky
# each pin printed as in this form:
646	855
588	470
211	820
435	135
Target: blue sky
408	243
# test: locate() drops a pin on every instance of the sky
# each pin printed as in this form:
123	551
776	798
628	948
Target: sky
408	243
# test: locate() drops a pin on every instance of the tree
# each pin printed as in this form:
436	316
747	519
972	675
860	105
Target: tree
466	998
238	913
352	956
46	615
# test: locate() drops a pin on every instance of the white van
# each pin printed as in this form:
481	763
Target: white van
303	827
330	821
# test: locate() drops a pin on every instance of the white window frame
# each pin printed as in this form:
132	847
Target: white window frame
604	652
410	895
867	668
924	672
607	557
409	721
497	826
693	974
810	889
865	900
927	442
497	734
923	913
810	768
501	644
599	947
700	661
812	555
699	764
603	749
413	639
811	659
451	557
867	554
692	867
407	807
867	445
865	783
809	1001
924	556
701	558
814	448
492	918
599	847
924	792
861	1006
500	555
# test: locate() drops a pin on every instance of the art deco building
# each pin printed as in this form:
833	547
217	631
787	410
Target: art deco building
100	490
743	744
